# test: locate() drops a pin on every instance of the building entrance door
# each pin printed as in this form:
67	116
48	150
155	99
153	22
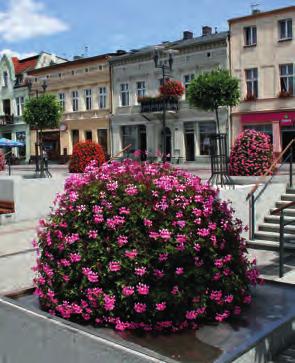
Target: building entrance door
190	146
287	135
168	144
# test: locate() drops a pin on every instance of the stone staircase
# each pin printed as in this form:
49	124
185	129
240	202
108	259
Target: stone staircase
268	234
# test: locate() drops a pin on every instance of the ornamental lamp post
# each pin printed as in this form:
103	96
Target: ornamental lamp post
44	86
166	72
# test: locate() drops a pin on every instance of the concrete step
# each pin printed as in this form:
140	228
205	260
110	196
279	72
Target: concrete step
269	245
289	197
283	203
273	236
287	356
290	190
271	227
288	212
275	219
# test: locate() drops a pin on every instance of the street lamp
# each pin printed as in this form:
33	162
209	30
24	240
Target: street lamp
166	71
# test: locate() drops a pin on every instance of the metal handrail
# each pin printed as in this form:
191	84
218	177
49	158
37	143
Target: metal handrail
281	209
272	169
283	224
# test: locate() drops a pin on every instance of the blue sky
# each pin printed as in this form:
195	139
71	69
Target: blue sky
65	27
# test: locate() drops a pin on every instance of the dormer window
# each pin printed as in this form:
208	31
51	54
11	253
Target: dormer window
250	35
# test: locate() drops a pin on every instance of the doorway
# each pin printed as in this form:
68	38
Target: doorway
190	145
168	144
142	142
6	107
287	136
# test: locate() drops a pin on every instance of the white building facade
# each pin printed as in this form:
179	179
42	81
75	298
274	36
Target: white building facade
187	129
13	95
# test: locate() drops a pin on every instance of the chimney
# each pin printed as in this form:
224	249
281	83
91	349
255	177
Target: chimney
121	52
255	11
206	30
188	35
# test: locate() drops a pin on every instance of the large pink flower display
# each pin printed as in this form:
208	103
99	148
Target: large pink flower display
142	246
252	154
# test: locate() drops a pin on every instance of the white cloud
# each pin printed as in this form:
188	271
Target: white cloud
13	53
25	19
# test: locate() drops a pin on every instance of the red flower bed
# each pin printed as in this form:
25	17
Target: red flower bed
83	154
172	88
252	154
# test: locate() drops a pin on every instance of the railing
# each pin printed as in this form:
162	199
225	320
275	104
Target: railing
6	120
283	224
158	105
273	169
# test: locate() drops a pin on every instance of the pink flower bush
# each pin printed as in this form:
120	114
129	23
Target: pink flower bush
252	154
111	255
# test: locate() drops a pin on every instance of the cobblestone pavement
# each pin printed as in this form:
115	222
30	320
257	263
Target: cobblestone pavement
268	265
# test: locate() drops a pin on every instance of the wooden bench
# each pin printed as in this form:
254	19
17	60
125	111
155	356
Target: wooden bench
6	207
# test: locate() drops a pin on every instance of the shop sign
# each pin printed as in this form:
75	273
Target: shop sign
287	121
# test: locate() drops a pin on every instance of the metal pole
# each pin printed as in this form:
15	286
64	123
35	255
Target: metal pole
291	166
251	217
164	119
281	268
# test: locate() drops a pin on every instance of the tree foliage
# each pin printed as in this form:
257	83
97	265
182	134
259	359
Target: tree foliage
43	112
214	89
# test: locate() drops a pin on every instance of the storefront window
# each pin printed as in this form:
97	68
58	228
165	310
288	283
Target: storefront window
130	136
206	130
21	137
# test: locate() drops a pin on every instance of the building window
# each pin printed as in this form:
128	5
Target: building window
250	34
102	97
75	101
88	99
75	137
140	89
102	137
285	29
61	98
88	135
206	130
20	101
252	82
5	79
187	80
124	89
287	78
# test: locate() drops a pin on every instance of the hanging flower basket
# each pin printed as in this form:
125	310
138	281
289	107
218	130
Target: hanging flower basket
172	88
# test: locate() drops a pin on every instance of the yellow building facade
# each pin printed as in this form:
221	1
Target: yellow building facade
82	87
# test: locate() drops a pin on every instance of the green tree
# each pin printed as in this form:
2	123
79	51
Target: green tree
41	113
214	89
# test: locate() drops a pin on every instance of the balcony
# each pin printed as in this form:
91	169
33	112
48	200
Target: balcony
6	120
156	104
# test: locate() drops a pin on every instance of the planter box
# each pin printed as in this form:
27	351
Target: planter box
28	335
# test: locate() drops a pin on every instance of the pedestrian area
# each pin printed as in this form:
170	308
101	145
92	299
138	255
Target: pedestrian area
17	256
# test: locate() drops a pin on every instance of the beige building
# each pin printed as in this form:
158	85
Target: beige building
82	87
262	56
